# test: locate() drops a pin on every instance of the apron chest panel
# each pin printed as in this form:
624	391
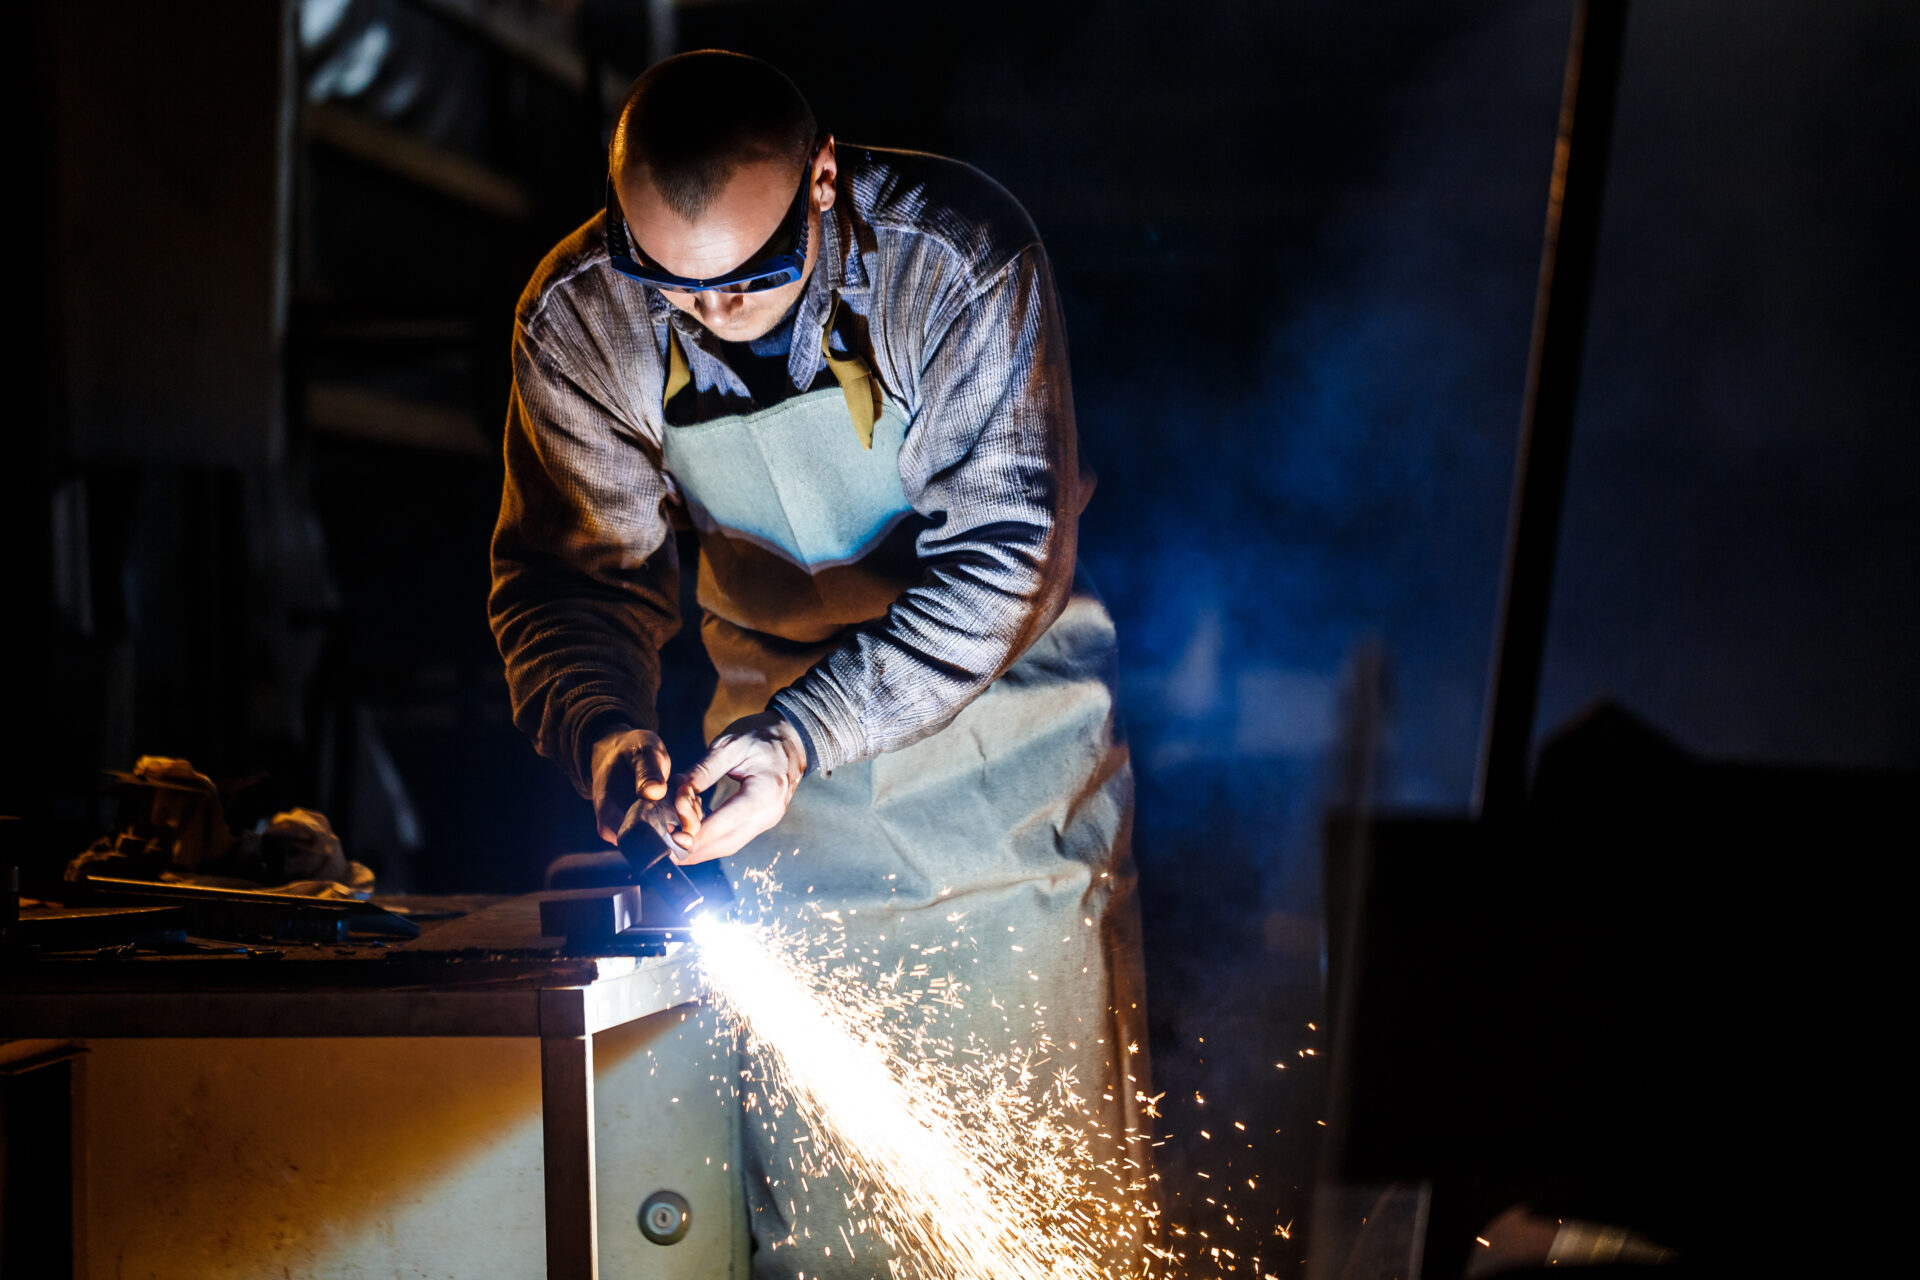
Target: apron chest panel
998	844
794	479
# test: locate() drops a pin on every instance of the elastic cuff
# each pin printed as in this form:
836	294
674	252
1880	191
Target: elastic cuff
586	726
600	726
822	752
806	739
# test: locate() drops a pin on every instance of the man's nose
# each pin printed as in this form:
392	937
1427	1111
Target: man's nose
714	306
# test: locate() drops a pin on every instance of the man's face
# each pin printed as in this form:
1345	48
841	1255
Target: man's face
755	201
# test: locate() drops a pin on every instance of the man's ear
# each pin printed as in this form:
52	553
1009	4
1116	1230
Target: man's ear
825	170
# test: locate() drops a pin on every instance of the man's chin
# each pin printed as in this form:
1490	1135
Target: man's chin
757	320
742	330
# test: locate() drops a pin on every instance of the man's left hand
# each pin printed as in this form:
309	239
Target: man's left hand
765	755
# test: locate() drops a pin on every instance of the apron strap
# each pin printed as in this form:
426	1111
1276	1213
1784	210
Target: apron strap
856	380
678	375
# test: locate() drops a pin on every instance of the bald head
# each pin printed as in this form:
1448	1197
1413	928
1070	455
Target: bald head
694	120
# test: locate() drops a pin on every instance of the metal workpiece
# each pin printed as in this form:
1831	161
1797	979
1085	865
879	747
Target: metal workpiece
589	913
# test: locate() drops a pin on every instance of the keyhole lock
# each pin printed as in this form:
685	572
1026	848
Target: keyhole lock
665	1216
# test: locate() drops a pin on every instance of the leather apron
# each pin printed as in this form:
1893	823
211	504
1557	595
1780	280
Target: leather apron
1016	817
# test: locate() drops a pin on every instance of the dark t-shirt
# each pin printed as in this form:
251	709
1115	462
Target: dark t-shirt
762	362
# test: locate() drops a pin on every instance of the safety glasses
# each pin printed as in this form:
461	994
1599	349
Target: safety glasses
781	260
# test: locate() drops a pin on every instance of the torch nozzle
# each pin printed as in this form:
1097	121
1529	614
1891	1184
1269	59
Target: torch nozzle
649	849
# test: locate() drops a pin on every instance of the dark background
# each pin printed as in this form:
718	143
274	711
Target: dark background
265	281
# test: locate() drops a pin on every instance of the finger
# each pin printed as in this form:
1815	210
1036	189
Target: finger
650	766
688	857
754	808
725	755
686	804
610	810
636	816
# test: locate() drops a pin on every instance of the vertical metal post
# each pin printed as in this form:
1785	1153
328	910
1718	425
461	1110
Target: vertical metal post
566	1125
1553	380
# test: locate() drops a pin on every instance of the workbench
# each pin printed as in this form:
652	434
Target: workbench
464	980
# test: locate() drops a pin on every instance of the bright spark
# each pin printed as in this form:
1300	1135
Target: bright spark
966	1175
971	1161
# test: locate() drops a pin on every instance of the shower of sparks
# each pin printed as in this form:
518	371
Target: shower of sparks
965	1178
970	1162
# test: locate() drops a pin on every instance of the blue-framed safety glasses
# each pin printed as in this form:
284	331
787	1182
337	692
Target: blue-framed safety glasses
780	261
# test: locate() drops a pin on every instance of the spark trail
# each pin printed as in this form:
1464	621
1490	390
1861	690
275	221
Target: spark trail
965	1175
972	1161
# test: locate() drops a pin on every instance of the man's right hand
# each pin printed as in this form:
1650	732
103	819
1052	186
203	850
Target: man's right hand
629	765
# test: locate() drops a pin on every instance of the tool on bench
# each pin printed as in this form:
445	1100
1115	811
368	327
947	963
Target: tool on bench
248	914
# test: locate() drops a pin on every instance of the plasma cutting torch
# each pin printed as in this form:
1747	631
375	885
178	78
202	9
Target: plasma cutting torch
647	844
659	905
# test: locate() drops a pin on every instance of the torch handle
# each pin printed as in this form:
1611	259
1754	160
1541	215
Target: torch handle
648	848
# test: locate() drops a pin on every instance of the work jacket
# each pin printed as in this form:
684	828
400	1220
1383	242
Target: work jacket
946	292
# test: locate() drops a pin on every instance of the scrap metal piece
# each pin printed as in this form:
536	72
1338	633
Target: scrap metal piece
581	915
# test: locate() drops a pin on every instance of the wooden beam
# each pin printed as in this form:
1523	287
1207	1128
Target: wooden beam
372	415
422	163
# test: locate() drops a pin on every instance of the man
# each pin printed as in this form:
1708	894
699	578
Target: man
845	368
